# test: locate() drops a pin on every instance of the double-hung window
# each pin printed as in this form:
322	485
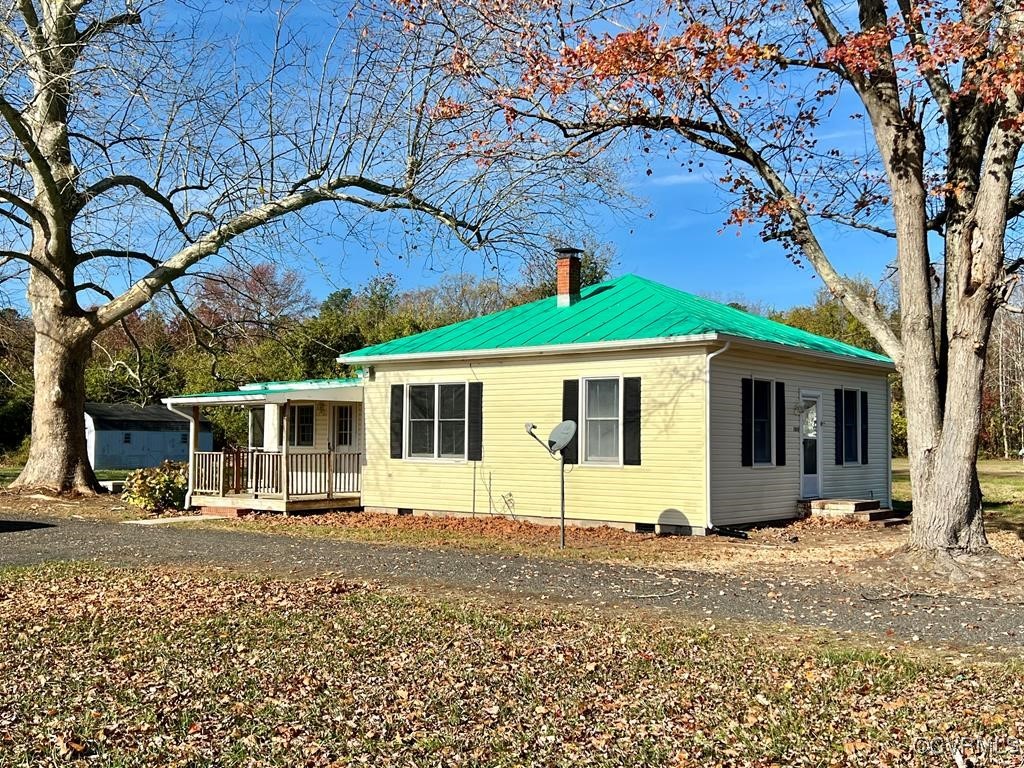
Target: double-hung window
300	426
343	426
602	420
436	423
763	438
851	426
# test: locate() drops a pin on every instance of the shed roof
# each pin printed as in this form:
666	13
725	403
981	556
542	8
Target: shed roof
627	309
127	416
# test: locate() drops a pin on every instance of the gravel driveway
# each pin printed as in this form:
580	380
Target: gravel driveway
930	621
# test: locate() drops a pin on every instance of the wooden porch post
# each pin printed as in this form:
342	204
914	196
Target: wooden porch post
193	447
284	457
330	471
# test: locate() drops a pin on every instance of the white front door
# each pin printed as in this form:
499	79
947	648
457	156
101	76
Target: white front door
810	448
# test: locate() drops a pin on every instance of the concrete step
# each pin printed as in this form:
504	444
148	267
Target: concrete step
844	506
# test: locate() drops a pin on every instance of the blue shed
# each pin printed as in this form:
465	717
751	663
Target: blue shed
125	436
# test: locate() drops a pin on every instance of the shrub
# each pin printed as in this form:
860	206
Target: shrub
156	489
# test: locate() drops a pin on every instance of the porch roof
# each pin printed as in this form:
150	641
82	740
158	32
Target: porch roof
338	390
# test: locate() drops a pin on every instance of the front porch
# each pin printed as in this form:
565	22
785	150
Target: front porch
304	448
276	481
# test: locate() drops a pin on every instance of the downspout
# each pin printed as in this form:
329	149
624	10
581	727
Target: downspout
707	433
193	441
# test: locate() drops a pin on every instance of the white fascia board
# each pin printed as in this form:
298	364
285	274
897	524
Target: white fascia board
335	395
240	399
552	349
820	354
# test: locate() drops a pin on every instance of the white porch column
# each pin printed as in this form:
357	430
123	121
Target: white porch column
272	427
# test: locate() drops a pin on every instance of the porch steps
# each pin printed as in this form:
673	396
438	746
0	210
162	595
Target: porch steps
858	510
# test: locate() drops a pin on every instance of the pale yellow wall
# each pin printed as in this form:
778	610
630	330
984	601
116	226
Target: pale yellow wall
747	494
323	426
516	476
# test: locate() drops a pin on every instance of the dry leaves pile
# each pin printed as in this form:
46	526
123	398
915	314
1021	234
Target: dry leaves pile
126	668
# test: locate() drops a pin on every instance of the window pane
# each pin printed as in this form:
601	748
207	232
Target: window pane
762	442
452	401
762	422
257	427
343	430
603	398
453	439
762	400
851	429
302	418
603	439
421	438
421	402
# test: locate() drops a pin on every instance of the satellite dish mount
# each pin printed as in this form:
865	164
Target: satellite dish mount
560	437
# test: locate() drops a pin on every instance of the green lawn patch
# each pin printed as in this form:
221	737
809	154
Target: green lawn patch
8	474
1002	487
145	667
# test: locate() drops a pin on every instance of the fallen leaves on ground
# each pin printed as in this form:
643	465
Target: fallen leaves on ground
172	667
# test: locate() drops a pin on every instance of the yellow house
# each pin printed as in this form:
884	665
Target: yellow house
690	416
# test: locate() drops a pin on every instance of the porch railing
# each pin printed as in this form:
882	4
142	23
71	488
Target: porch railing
209	472
258	473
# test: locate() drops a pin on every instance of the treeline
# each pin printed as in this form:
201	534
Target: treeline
258	323
261	324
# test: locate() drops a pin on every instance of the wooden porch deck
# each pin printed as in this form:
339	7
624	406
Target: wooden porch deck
241	501
276	481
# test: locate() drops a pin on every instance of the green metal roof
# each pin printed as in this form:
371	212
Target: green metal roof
628	308
275	387
291	386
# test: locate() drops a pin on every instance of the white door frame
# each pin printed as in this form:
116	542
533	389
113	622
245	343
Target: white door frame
815	395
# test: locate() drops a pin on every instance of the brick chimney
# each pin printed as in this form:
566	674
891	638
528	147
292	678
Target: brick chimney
568	276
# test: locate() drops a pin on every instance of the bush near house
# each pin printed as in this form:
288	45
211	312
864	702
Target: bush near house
157	489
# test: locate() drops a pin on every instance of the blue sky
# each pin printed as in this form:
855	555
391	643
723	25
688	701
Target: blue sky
676	237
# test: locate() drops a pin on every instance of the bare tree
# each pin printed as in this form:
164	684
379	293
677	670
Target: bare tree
135	146
933	91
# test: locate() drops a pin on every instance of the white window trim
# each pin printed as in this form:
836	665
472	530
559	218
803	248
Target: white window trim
351	444
856	462
435	459
771	425
293	426
581	422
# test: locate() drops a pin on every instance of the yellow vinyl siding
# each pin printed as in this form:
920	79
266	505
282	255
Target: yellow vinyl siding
516	477
749	494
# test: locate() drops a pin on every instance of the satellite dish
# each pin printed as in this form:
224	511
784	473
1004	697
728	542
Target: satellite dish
561	435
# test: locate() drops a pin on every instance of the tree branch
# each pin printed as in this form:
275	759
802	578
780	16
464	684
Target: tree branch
21	131
394	198
126	180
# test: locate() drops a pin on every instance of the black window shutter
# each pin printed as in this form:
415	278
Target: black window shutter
747	422
571	412
631	421
475	427
397	416
780	424
863	427
839	426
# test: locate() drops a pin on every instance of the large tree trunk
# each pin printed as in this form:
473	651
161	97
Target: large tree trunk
58	459
947	516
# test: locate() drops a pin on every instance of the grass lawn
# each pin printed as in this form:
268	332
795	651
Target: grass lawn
8	474
170	667
1002	486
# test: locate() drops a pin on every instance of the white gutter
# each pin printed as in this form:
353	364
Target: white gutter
550	349
832	356
193	440
613	346
232	399
707	432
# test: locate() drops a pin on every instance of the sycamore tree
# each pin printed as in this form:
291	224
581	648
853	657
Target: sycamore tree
763	89
140	139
